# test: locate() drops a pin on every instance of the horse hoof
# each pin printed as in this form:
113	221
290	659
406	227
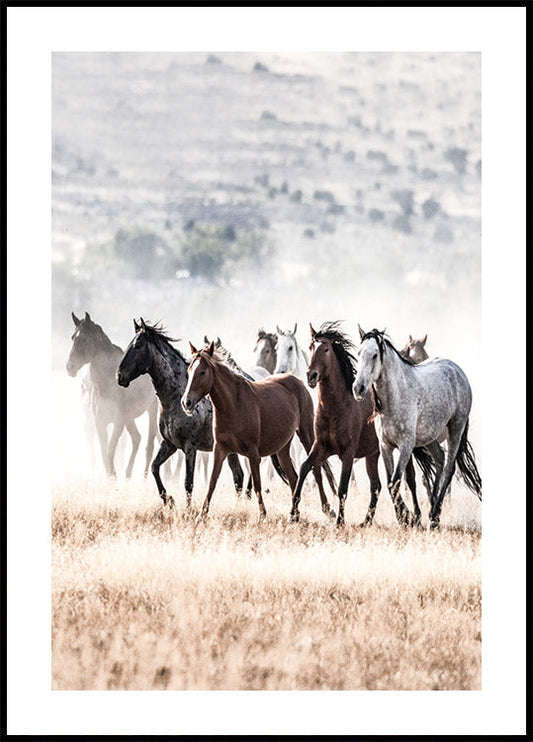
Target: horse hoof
340	523
170	502
366	523
200	519
434	525
294	518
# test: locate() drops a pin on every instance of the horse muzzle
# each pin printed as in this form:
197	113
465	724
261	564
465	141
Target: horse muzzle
121	380
188	405
312	378
71	371
359	392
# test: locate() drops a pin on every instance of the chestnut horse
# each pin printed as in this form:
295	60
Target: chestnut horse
341	423
254	419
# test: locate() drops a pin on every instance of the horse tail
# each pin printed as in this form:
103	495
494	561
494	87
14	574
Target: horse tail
427	465
467	464
277	467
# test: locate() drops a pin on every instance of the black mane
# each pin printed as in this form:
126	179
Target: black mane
343	348
382	339
159	336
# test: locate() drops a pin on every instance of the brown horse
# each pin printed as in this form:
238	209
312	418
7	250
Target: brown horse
341	423
254	419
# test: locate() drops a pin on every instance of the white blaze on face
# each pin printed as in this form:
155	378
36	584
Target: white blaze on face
192	371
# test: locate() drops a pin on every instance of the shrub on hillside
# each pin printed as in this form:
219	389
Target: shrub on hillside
216	252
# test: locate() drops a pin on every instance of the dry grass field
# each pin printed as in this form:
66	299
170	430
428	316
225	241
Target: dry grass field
145	599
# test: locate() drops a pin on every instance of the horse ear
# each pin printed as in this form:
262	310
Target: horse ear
295	328
136	326
423	341
411	339
206	341
193	349
361	331
218	342
75	319
278	330
88	317
313	333
211	348
143	324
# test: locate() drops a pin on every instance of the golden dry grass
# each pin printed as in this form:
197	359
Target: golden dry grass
143	598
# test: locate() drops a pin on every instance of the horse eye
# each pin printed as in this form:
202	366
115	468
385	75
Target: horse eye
374	356
290	347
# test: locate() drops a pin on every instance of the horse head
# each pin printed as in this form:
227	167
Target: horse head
287	351
414	349
82	343
370	360
137	358
200	377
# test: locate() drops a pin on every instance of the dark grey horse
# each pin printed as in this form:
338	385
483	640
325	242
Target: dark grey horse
110	404
417	403
150	352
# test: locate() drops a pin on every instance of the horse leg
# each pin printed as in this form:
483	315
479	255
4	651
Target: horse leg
304	471
101	430
403	514
455	432
115	435
135	441
437	454
255	462
238	477
152	435
190	461
249	484
347	464
371	464
306	435
410	478
219	454
166	449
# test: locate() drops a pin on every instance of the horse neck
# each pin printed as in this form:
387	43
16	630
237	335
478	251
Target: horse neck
103	365
168	372
332	390
392	384
224	389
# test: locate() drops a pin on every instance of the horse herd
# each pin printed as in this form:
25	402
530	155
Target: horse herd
330	402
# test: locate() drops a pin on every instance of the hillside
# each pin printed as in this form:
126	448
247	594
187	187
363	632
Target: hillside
353	180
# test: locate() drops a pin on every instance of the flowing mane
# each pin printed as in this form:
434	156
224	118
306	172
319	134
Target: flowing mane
343	348
162	340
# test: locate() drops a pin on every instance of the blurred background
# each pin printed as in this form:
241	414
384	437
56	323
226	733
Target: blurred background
219	193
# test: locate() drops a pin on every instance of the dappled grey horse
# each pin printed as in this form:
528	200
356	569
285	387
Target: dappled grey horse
417	403
150	352
110	404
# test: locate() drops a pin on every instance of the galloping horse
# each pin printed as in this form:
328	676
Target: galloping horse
265	350
417	403
150	352
110	404
253	374
341	423
255	419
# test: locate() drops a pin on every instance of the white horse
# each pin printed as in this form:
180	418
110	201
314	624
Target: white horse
292	359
